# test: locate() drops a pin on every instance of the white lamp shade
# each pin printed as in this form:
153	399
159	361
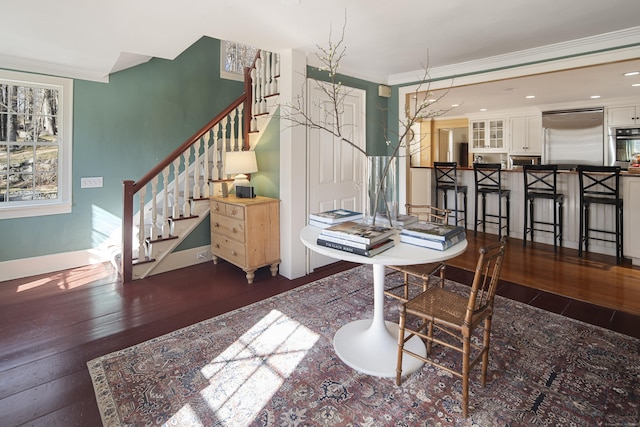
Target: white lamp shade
241	162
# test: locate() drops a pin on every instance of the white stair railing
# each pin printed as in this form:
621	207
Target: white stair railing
195	168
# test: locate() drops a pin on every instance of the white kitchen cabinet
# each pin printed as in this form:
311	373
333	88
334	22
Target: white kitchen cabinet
487	135
631	212
623	116
525	135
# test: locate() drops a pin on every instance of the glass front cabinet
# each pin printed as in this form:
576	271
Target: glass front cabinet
487	135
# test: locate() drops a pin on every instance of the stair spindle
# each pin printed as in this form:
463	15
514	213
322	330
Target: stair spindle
176	190
276	72
205	166
154	230
141	226
196	168
254	110
232	130
263	99
186	206
219	149
267	72
165	202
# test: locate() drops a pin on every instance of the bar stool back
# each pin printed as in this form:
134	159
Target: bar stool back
447	180
488	180
600	185
541	182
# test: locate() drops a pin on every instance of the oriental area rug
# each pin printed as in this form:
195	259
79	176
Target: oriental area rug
273	364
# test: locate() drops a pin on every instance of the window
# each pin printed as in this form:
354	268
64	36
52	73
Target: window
233	58
35	145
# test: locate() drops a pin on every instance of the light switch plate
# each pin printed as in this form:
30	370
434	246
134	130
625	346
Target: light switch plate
91	182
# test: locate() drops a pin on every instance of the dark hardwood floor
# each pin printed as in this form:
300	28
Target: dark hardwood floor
51	325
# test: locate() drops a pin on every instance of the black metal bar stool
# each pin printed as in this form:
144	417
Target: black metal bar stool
600	185
488	180
447	180
541	182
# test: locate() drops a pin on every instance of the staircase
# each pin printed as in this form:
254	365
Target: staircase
173	197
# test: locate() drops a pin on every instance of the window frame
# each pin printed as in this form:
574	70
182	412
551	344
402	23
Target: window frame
63	203
224	74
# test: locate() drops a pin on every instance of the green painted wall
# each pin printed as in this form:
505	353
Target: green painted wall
122	129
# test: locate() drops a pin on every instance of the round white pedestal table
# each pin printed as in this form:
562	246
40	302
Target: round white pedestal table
370	346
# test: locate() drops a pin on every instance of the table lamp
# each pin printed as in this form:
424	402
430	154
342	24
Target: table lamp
240	163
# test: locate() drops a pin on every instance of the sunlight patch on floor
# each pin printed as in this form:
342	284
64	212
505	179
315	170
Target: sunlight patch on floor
245	376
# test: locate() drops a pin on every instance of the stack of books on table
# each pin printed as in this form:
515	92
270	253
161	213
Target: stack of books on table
401	220
336	216
432	235
357	238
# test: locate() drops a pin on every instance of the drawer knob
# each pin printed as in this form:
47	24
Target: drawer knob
234	253
217	245
216	225
216	208
234	230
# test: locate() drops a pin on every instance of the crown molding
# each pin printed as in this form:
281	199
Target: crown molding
58	70
613	46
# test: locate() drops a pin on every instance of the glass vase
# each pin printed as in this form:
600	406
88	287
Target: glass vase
382	191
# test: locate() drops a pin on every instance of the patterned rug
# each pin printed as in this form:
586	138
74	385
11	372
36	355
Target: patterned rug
273	364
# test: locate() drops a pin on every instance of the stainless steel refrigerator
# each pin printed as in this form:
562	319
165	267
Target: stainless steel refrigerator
573	137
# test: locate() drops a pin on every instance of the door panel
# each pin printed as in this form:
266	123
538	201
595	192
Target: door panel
336	170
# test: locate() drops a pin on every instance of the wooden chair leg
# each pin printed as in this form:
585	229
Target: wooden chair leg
406	286
485	348
466	349
401	325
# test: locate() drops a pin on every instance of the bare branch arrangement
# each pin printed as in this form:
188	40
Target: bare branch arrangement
419	109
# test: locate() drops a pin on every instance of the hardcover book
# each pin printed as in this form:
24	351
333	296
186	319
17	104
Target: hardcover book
432	230
402	220
368	252
336	216
319	224
440	245
358	232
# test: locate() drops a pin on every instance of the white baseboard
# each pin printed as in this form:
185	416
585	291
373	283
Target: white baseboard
26	267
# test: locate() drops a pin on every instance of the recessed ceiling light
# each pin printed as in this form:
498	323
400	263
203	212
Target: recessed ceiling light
635	84
594	96
431	100
483	109
455	105
530	96
631	73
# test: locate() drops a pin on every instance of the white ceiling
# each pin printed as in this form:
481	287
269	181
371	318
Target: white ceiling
572	88
385	40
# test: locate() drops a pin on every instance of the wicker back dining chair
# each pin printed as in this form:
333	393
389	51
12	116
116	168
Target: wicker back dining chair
455	318
419	274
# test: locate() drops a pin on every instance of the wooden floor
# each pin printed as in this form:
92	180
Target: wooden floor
50	326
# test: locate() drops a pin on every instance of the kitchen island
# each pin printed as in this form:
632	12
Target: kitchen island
422	191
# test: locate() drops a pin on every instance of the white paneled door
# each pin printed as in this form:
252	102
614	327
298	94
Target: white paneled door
336	169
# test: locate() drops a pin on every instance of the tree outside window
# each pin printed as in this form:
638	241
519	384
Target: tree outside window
34	163
234	57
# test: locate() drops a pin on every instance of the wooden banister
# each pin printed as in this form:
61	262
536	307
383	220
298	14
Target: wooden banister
131	188
189	142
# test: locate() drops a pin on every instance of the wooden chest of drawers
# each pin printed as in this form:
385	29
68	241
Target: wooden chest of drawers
246	232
